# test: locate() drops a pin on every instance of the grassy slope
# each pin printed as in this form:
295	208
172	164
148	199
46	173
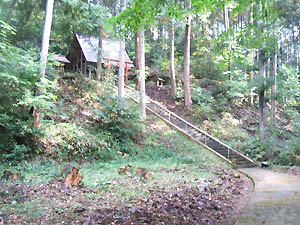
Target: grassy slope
173	160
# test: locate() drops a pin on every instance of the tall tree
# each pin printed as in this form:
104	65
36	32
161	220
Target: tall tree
251	75
99	57
261	94
121	64
172	59
186	66
274	88
46	35
11	8
44	51
135	19
227	25
251	97
142	73
136	50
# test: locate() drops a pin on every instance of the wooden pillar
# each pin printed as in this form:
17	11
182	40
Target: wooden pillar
90	71
81	62
126	73
77	62
108	68
85	62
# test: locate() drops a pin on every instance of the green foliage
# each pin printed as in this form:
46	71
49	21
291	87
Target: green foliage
157	59
254	148
288	85
238	89
76	16
19	81
290	151
209	99
81	130
204	103
121	120
70	16
140	13
6	32
203	57
68	141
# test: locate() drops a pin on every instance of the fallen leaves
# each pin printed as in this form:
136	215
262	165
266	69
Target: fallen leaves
47	203
186	206
201	201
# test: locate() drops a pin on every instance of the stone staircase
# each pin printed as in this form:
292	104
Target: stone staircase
214	145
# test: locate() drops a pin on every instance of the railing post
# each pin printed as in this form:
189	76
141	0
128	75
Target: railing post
205	141
169	116
227	153
185	127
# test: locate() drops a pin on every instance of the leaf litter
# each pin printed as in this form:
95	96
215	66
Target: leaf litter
201	201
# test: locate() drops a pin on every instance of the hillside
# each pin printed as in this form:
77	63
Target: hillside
184	181
235	123
75	150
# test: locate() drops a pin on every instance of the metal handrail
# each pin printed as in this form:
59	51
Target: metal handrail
199	142
187	123
203	132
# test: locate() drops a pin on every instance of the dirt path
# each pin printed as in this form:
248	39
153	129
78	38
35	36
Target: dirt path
275	201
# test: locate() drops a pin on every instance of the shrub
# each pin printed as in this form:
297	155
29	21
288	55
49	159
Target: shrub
290	155
66	141
119	119
19	81
18	75
204	104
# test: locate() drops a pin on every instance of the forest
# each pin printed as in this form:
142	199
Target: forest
227	67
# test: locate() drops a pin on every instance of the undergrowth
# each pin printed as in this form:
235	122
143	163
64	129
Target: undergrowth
220	108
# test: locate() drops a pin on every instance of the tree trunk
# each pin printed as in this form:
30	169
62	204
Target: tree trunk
137	50
46	36
44	52
121	64
250	98
261	74
226	18
99	57
121	71
227	25
11	8
142	73
137	56
172	60
274	88
186	66
268	71
251	21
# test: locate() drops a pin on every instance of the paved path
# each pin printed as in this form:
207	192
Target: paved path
275	201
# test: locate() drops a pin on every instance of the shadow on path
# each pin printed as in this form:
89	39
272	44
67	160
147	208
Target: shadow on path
275	201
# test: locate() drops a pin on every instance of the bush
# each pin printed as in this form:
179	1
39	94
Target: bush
18	75
204	104
19	80
238	89
120	120
66	141
290	155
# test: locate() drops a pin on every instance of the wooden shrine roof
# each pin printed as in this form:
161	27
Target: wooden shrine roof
111	49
